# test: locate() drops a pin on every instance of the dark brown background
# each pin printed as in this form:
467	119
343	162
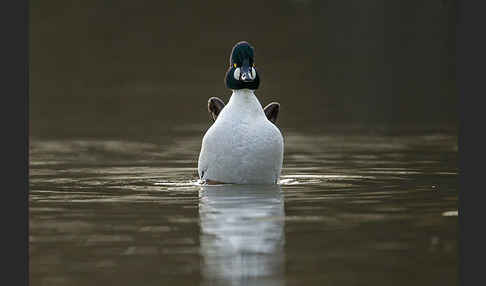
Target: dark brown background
105	68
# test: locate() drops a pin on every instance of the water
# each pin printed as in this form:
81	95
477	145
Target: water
352	208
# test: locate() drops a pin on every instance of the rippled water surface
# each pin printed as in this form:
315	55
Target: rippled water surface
351	209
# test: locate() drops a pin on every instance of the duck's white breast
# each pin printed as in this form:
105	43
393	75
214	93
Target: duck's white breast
242	146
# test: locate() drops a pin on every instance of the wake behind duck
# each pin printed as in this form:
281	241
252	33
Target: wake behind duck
243	146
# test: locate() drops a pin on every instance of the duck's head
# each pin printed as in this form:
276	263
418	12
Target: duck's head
242	72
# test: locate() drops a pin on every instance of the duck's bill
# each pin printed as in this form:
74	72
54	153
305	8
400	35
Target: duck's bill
247	73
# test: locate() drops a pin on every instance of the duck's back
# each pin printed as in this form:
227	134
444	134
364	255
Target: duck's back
242	146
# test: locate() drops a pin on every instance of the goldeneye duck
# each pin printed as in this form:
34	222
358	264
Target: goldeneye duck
243	146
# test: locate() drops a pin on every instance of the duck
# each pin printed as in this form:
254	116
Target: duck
243	145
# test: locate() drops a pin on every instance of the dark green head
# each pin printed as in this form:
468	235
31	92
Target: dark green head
242	72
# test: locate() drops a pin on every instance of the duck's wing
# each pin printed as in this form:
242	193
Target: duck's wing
271	111
215	105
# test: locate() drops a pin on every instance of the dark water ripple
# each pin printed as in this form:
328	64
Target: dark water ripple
350	210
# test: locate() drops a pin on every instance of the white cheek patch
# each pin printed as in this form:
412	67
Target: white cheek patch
236	74
253	73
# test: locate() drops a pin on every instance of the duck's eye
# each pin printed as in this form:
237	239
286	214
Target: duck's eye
234	65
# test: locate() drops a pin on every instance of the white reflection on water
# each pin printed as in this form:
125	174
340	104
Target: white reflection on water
242	234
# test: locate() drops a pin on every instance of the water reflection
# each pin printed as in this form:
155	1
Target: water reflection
242	234
124	210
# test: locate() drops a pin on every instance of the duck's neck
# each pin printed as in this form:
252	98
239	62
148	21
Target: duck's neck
243	92
245	100
243	97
